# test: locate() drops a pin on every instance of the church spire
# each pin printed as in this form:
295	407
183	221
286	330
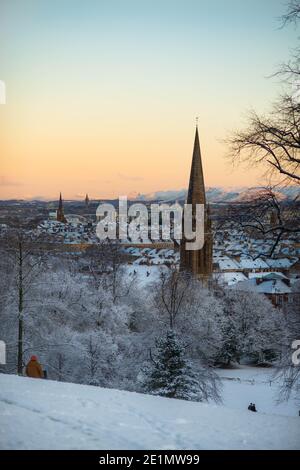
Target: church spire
60	204
198	262
196	191
60	216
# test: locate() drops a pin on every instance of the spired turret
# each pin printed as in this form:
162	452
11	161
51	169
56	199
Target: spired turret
198	262
60	216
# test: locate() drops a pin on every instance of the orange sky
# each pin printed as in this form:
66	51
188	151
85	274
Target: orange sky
109	159
106	105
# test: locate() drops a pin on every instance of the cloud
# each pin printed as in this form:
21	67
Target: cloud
37	198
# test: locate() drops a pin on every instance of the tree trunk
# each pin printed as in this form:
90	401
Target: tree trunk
20	309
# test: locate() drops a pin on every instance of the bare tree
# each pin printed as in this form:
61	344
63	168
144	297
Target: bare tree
274	140
24	258
274	143
106	263
292	14
173	293
93	360
265	216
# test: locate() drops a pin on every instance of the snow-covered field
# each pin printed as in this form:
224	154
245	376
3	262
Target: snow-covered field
253	384
42	414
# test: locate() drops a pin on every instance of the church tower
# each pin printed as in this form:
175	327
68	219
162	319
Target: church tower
60	216
86	200
198	262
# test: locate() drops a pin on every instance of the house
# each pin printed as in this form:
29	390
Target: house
275	286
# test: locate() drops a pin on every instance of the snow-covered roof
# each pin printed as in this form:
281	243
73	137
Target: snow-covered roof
249	263
134	251
230	278
226	263
145	250
152	252
281	262
273	287
276	286
264	275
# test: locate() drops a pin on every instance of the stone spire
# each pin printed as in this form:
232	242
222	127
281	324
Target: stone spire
60	216
198	262
196	192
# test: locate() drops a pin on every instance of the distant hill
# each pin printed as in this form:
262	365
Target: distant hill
215	194
218	194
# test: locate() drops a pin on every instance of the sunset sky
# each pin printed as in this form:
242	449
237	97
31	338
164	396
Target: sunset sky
102	95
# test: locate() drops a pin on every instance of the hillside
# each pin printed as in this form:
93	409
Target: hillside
40	414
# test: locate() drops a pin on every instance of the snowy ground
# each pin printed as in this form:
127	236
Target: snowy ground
145	275
42	414
253	384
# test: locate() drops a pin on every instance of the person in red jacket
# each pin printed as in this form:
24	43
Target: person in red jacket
34	368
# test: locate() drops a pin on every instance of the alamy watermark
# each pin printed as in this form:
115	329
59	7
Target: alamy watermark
154	222
2	92
2	353
296	354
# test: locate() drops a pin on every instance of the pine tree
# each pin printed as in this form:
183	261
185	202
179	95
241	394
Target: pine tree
170	374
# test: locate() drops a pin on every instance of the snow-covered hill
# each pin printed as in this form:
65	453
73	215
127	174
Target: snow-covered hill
42	414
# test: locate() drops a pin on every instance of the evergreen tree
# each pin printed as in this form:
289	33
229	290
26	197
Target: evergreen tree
170	375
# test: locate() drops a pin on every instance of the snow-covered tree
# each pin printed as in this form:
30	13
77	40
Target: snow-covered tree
174	289
170	374
287	370
105	261
251	328
23	259
228	322
88	329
